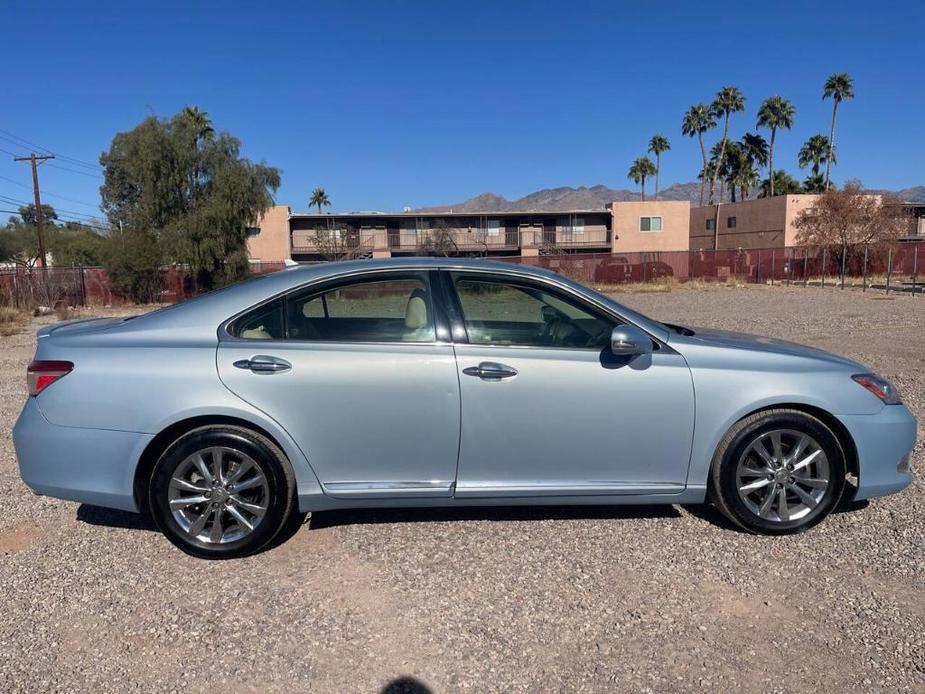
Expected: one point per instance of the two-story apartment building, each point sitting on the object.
(623, 227)
(282, 234)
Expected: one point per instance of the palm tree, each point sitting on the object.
(776, 112)
(697, 121)
(783, 183)
(814, 183)
(657, 145)
(319, 199)
(641, 169)
(841, 88)
(728, 100)
(813, 152)
(755, 149)
(200, 122)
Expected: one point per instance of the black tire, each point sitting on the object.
(271, 461)
(723, 485)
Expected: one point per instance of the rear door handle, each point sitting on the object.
(490, 371)
(264, 364)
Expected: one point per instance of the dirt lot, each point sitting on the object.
(631, 599)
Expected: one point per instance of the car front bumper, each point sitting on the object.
(93, 466)
(883, 441)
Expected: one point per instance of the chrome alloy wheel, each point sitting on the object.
(782, 475)
(218, 495)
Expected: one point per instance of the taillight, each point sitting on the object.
(42, 374)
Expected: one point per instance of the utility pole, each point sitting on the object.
(35, 158)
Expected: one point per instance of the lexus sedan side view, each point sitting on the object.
(441, 382)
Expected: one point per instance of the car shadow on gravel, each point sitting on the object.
(711, 514)
(329, 519)
(113, 518)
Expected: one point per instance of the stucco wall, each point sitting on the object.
(272, 243)
(760, 223)
(674, 235)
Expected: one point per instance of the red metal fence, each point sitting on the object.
(82, 286)
(894, 268)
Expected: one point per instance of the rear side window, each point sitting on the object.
(263, 323)
(394, 309)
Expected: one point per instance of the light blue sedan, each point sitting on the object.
(441, 382)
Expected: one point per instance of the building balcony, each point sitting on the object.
(567, 238)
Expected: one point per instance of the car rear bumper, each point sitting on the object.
(884, 442)
(93, 466)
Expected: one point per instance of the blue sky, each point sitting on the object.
(387, 104)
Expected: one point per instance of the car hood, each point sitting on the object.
(726, 339)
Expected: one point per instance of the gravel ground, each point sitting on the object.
(642, 599)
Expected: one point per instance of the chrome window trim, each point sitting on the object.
(661, 345)
(225, 336)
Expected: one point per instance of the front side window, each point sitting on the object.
(396, 309)
(650, 224)
(709, 224)
(502, 312)
(731, 222)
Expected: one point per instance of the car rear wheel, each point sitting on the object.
(221, 492)
(777, 472)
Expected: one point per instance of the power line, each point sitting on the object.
(82, 173)
(24, 142)
(58, 210)
(54, 195)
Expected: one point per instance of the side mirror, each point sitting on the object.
(629, 341)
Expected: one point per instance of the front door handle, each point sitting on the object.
(490, 371)
(264, 364)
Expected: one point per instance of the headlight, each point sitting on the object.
(880, 387)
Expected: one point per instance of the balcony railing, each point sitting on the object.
(563, 238)
(447, 240)
(452, 240)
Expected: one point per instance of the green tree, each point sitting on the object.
(319, 199)
(77, 244)
(200, 123)
(776, 112)
(783, 184)
(657, 145)
(728, 100)
(840, 87)
(698, 120)
(190, 189)
(814, 152)
(641, 169)
(19, 239)
(133, 260)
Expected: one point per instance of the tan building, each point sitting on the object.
(654, 225)
(269, 240)
(282, 234)
(760, 223)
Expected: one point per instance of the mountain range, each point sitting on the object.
(596, 197)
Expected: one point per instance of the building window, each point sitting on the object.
(578, 225)
(494, 227)
(709, 226)
(650, 224)
(730, 222)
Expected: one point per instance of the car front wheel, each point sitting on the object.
(221, 492)
(777, 472)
